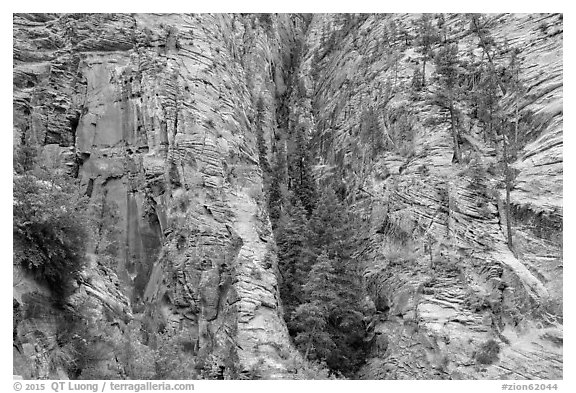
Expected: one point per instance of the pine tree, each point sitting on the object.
(277, 184)
(328, 225)
(404, 34)
(426, 38)
(261, 143)
(508, 185)
(293, 254)
(448, 76)
(494, 85)
(332, 233)
(514, 87)
(311, 317)
(301, 171)
(479, 25)
(442, 27)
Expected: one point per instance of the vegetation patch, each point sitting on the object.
(487, 353)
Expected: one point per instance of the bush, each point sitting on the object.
(266, 21)
(487, 353)
(50, 229)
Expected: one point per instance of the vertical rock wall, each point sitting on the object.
(436, 262)
(153, 113)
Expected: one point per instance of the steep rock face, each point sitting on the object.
(153, 114)
(437, 266)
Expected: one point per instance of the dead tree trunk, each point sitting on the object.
(507, 181)
(457, 153)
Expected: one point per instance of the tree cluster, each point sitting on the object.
(321, 286)
(487, 85)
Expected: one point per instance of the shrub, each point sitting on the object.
(50, 228)
(266, 21)
(181, 200)
(487, 353)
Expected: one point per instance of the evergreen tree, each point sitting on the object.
(486, 95)
(442, 27)
(311, 317)
(508, 185)
(480, 25)
(302, 178)
(328, 226)
(515, 88)
(426, 38)
(404, 35)
(293, 254)
(275, 195)
(448, 75)
(496, 83)
(332, 234)
(260, 141)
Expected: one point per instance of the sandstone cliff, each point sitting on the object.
(435, 313)
(154, 114)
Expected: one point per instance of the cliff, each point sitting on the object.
(154, 116)
(457, 286)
